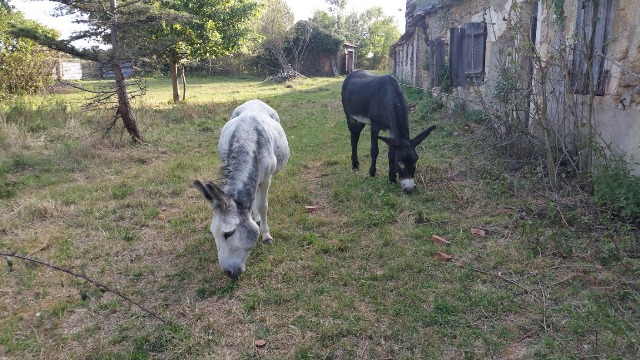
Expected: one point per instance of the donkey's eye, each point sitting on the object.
(228, 233)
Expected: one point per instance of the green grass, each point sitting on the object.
(357, 279)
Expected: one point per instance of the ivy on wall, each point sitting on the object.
(557, 6)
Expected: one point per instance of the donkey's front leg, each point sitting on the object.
(262, 205)
(392, 164)
(255, 214)
(374, 150)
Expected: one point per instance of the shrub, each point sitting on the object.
(614, 186)
(506, 86)
(25, 67)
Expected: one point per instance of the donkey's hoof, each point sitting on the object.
(268, 240)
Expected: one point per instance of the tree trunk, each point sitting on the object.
(184, 82)
(124, 106)
(174, 82)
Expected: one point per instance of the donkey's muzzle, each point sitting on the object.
(407, 185)
(233, 274)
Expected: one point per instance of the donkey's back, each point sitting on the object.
(256, 105)
(254, 130)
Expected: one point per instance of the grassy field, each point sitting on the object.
(359, 278)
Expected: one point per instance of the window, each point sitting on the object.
(593, 32)
(466, 58)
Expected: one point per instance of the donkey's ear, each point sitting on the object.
(423, 135)
(203, 190)
(223, 201)
(388, 141)
(214, 194)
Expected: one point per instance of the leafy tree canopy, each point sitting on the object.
(25, 67)
(193, 29)
(324, 20)
(372, 31)
(319, 38)
(272, 26)
(207, 28)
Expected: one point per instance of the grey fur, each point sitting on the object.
(256, 105)
(252, 148)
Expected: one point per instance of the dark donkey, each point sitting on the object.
(379, 101)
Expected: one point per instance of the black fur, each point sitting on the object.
(380, 99)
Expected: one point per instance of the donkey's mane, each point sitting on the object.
(229, 170)
(400, 110)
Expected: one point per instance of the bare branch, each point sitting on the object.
(100, 285)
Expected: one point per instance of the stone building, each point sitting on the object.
(577, 61)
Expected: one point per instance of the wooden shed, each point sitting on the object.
(321, 62)
(348, 59)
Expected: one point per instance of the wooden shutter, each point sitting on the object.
(601, 43)
(467, 51)
(432, 60)
(591, 45)
(456, 60)
(474, 51)
(437, 61)
(579, 81)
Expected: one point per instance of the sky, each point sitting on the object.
(41, 11)
(302, 9)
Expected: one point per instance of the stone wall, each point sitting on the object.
(408, 59)
(616, 114)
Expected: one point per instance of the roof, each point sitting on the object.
(417, 9)
(422, 5)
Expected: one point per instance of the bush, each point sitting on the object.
(25, 67)
(615, 187)
(505, 88)
(442, 78)
(425, 103)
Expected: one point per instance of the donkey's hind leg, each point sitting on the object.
(355, 128)
(374, 150)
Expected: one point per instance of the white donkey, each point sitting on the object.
(252, 148)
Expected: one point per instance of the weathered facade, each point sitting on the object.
(408, 55)
(585, 68)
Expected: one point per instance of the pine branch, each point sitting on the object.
(58, 45)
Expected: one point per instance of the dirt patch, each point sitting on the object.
(312, 175)
(61, 88)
